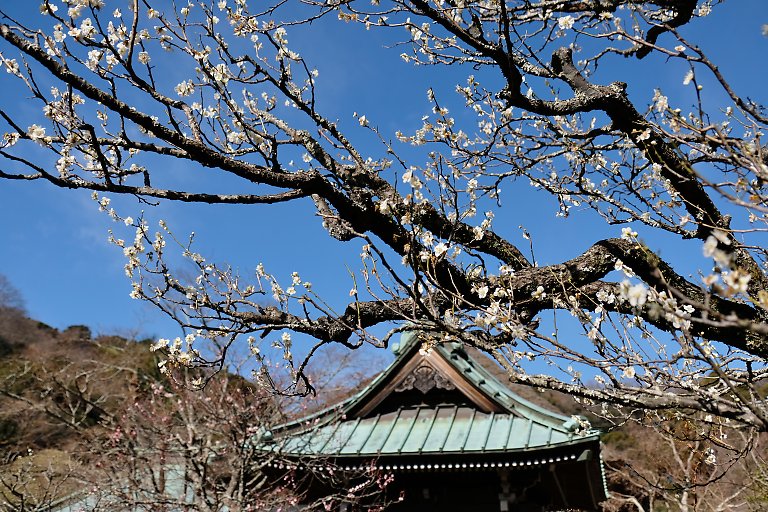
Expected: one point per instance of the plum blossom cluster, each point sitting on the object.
(178, 352)
(735, 280)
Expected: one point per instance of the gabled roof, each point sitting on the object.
(391, 416)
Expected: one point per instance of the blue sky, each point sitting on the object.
(53, 243)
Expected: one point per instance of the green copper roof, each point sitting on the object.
(427, 430)
(513, 425)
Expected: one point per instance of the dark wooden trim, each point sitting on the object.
(436, 361)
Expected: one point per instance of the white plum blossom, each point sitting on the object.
(159, 344)
(236, 137)
(280, 36)
(605, 297)
(737, 281)
(185, 88)
(58, 34)
(636, 294)
(620, 266)
(384, 206)
(36, 133)
(10, 139)
(660, 102)
(94, 56)
(644, 135)
(565, 22)
(47, 8)
(253, 346)
(721, 236)
(628, 234)
(85, 31)
(709, 246)
(221, 73)
(410, 177)
(704, 10)
(711, 249)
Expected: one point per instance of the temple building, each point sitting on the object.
(454, 438)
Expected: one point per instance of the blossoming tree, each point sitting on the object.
(425, 206)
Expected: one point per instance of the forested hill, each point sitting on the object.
(78, 410)
(59, 391)
(54, 384)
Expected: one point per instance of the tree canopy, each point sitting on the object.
(671, 315)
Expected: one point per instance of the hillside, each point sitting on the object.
(58, 392)
(54, 384)
(81, 411)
